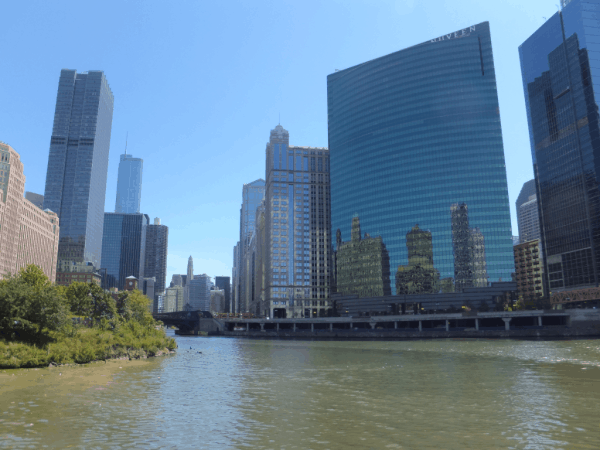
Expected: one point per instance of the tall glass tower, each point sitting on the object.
(129, 185)
(123, 248)
(78, 163)
(561, 78)
(415, 139)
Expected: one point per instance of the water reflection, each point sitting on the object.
(321, 395)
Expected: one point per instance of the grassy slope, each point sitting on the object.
(89, 344)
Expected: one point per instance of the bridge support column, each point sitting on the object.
(262, 327)
(507, 324)
(477, 324)
(373, 325)
(247, 327)
(539, 321)
(420, 325)
(447, 325)
(395, 325)
(312, 327)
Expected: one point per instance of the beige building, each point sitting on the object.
(173, 300)
(28, 235)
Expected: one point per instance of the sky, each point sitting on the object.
(198, 86)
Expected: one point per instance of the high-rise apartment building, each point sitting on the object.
(297, 264)
(123, 248)
(78, 163)
(413, 133)
(529, 270)
(28, 235)
(155, 265)
(252, 196)
(224, 283)
(561, 81)
(129, 185)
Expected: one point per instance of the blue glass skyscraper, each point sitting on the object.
(78, 163)
(560, 65)
(129, 184)
(415, 144)
(123, 248)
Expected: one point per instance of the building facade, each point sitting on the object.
(224, 283)
(413, 133)
(529, 270)
(129, 185)
(28, 235)
(82, 272)
(36, 199)
(561, 82)
(173, 299)
(155, 264)
(297, 267)
(235, 280)
(252, 196)
(199, 293)
(78, 163)
(529, 221)
(123, 248)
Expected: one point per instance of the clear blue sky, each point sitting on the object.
(199, 84)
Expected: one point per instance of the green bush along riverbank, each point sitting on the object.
(39, 323)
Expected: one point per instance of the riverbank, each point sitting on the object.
(129, 341)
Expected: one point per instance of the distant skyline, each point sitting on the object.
(199, 85)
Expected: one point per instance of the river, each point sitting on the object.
(273, 394)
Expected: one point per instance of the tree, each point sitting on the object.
(30, 306)
(133, 305)
(78, 295)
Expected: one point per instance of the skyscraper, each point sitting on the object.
(123, 248)
(129, 184)
(414, 132)
(189, 278)
(224, 283)
(561, 81)
(78, 163)
(199, 293)
(155, 265)
(252, 195)
(36, 199)
(297, 205)
(527, 213)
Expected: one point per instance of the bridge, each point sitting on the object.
(186, 321)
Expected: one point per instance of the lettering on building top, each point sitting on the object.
(457, 34)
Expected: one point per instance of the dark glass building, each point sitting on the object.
(123, 249)
(412, 136)
(157, 244)
(224, 283)
(560, 65)
(78, 163)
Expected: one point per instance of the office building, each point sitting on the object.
(123, 248)
(155, 265)
(224, 283)
(529, 221)
(297, 268)
(529, 270)
(199, 293)
(36, 199)
(129, 185)
(186, 279)
(362, 264)
(78, 163)
(173, 300)
(413, 133)
(235, 279)
(217, 301)
(148, 289)
(28, 235)
(560, 83)
(252, 195)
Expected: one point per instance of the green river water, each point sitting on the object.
(270, 394)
